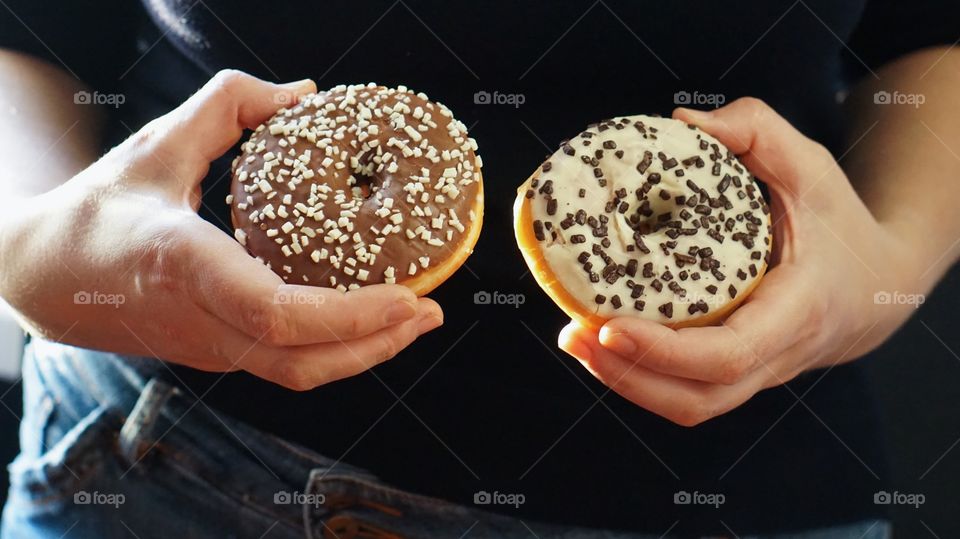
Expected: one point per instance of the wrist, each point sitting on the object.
(917, 256)
(26, 224)
(12, 227)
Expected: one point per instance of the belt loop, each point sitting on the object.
(140, 422)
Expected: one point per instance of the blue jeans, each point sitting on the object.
(109, 449)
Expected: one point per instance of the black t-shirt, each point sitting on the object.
(488, 402)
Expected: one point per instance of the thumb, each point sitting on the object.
(771, 148)
(182, 143)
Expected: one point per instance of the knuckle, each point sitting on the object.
(756, 105)
(736, 366)
(146, 135)
(140, 143)
(660, 358)
(217, 353)
(170, 332)
(270, 324)
(694, 411)
(762, 119)
(289, 374)
(818, 310)
(353, 327)
(224, 86)
(387, 348)
(822, 154)
(739, 357)
(159, 260)
(820, 149)
(228, 79)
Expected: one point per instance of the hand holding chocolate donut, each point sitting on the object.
(182, 289)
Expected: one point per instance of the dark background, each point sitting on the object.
(917, 377)
(915, 374)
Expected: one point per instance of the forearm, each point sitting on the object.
(45, 137)
(905, 160)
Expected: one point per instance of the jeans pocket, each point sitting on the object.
(44, 480)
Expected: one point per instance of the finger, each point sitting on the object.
(766, 143)
(304, 368)
(205, 342)
(184, 141)
(770, 322)
(240, 290)
(685, 402)
(202, 341)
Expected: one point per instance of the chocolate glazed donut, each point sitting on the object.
(359, 185)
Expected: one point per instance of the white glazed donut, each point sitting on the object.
(644, 216)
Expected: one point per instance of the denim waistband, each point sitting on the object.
(160, 427)
(158, 421)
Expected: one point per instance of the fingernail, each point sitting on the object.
(428, 322)
(400, 311)
(619, 343)
(304, 85)
(695, 114)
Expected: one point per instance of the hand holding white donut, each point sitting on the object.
(126, 227)
(814, 308)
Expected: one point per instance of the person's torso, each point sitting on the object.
(488, 402)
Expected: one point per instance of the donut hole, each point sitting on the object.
(364, 185)
(660, 212)
(641, 224)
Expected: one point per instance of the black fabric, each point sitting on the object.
(488, 401)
